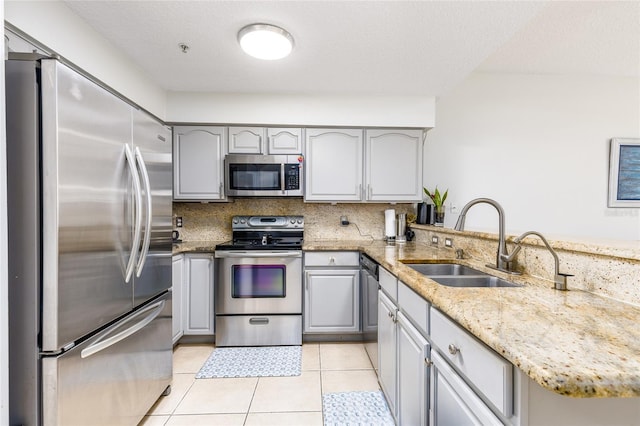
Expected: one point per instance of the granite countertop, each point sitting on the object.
(573, 343)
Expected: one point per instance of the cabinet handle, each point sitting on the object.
(369, 192)
(428, 362)
(453, 349)
(332, 260)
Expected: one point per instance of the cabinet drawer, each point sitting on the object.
(389, 283)
(488, 372)
(415, 307)
(332, 258)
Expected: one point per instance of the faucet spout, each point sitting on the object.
(559, 279)
(503, 263)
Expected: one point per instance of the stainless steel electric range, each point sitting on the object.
(259, 282)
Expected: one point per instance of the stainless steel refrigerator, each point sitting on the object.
(89, 206)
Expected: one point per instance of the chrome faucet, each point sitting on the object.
(502, 264)
(559, 279)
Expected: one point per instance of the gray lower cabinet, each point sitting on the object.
(387, 350)
(413, 374)
(331, 292)
(453, 402)
(198, 160)
(177, 274)
(198, 313)
(332, 300)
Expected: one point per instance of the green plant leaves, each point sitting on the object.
(437, 198)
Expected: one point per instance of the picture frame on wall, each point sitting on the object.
(624, 173)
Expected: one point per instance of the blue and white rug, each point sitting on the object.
(265, 361)
(356, 408)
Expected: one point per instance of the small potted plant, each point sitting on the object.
(438, 202)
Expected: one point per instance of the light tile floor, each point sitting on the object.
(282, 401)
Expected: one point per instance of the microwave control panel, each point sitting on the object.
(291, 176)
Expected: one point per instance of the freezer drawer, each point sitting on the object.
(114, 377)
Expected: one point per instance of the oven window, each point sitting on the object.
(255, 177)
(258, 281)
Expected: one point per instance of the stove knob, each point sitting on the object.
(242, 221)
(235, 221)
(300, 221)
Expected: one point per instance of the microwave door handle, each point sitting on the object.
(284, 178)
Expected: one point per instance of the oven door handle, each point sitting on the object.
(259, 253)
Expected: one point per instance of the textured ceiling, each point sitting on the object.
(366, 47)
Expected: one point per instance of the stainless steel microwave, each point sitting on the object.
(264, 175)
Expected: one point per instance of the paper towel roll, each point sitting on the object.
(390, 223)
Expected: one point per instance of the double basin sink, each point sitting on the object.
(455, 275)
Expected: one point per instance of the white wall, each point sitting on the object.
(539, 145)
(334, 110)
(54, 25)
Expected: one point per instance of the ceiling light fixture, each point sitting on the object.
(264, 41)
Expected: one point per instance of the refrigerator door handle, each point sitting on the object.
(103, 343)
(138, 216)
(147, 234)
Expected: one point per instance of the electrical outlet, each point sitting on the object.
(434, 240)
(448, 242)
(178, 221)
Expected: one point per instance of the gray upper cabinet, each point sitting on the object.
(393, 165)
(284, 141)
(246, 140)
(198, 154)
(333, 165)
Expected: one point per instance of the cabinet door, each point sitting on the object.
(198, 155)
(387, 349)
(333, 165)
(393, 165)
(332, 301)
(177, 274)
(413, 374)
(246, 140)
(452, 401)
(198, 307)
(284, 141)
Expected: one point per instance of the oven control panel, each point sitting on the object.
(267, 222)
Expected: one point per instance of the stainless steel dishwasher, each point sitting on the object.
(370, 286)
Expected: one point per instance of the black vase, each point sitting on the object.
(424, 215)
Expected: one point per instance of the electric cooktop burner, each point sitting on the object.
(265, 233)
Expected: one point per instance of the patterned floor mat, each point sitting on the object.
(266, 361)
(356, 408)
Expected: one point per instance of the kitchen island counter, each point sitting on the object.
(573, 343)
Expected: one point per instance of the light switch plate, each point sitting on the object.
(448, 242)
(434, 240)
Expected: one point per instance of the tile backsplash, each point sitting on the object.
(212, 221)
(604, 269)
